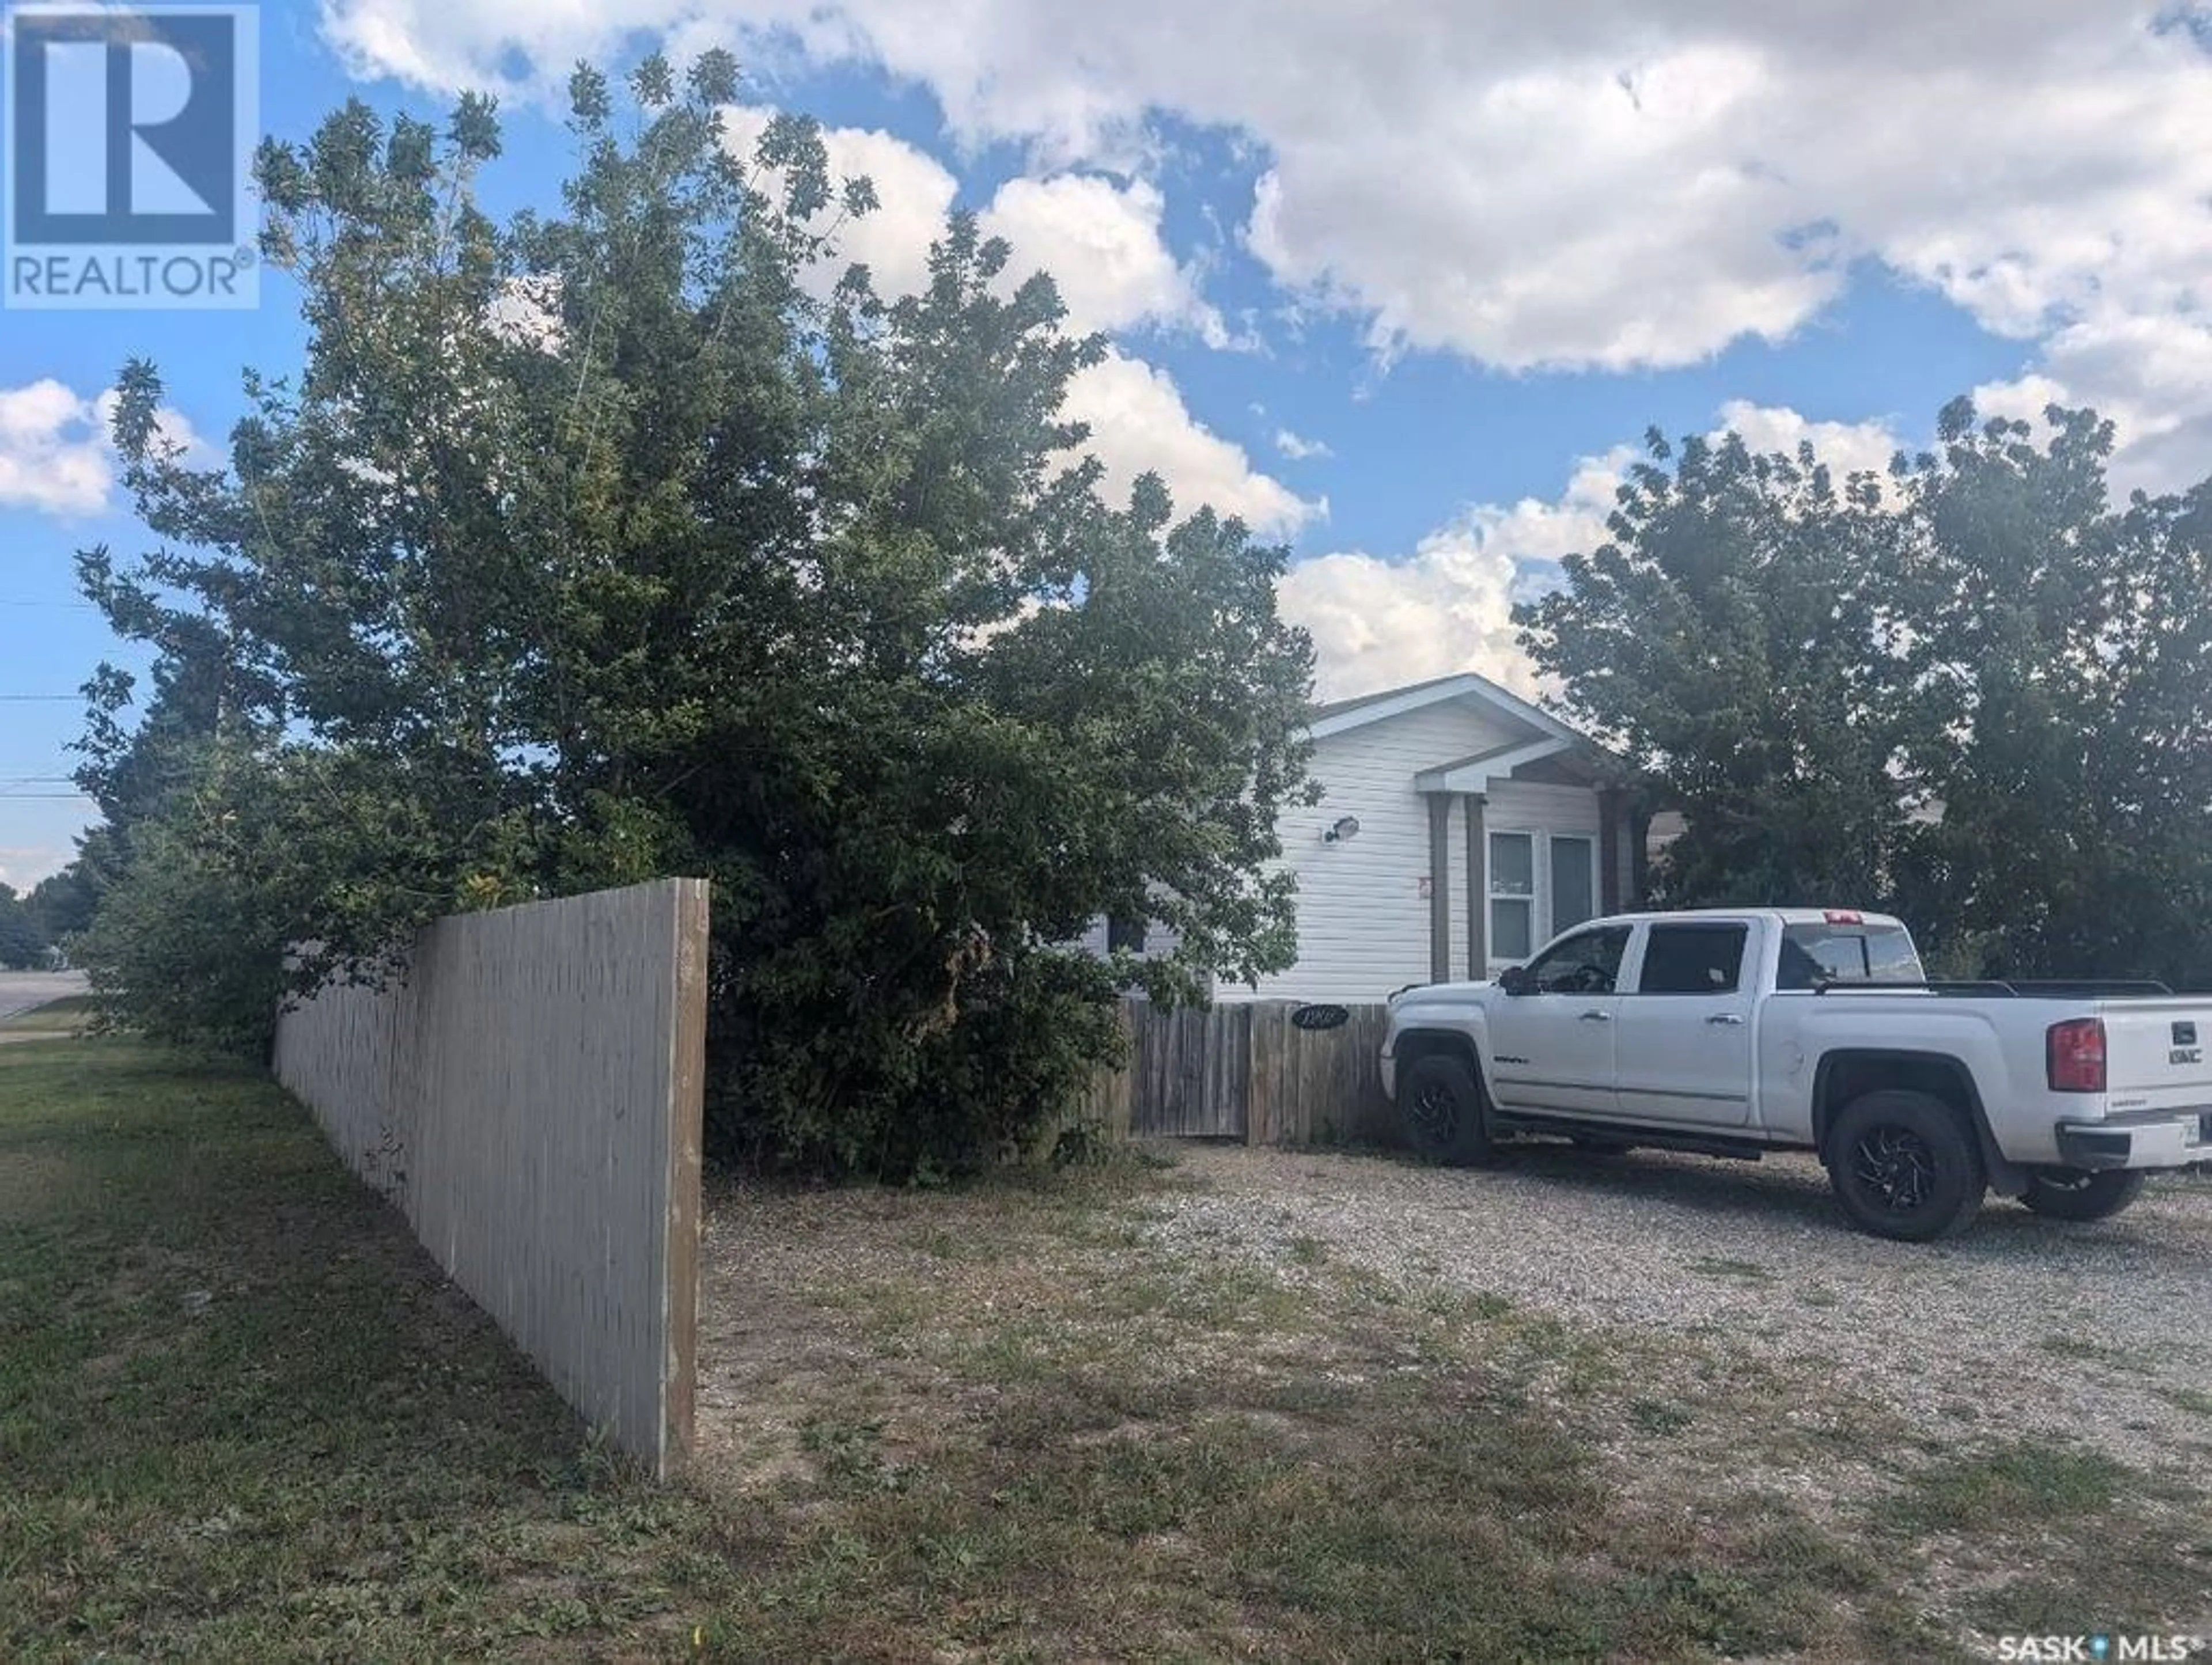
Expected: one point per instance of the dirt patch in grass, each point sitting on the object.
(1008, 1424)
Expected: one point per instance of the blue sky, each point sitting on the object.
(1400, 286)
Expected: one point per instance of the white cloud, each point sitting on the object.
(1552, 216)
(1300, 450)
(1847, 447)
(1599, 185)
(54, 455)
(169, 425)
(915, 190)
(1140, 424)
(2151, 375)
(1103, 244)
(57, 449)
(1449, 606)
(1101, 240)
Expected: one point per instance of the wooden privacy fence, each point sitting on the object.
(1244, 1071)
(530, 1095)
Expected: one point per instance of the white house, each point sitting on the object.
(1460, 828)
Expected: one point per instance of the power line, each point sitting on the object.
(40, 699)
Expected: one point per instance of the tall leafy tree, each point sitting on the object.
(593, 546)
(61, 904)
(22, 944)
(1973, 691)
(2059, 653)
(1737, 639)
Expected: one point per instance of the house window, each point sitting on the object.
(1574, 882)
(1512, 895)
(1125, 936)
(1541, 884)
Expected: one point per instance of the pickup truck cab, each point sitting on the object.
(1734, 1032)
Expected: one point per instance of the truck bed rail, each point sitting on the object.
(2022, 988)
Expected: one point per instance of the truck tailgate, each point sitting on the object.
(2156, 1053)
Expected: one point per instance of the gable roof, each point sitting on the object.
(1475, 773)
(1336, 708)
(1347, 714)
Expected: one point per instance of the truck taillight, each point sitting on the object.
(2074, 1055)
(1844, 916)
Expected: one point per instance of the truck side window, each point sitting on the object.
(1693, 959)
(1588, 962)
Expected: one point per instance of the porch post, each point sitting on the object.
(1608, 851)
(1477, 839)
(1439, 887)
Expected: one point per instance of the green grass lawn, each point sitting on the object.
(242, 1418)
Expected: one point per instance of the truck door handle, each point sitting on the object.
(1597, 1017)
(1733, 1019)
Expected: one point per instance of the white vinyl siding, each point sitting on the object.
(1362, 921)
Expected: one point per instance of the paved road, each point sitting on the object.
(21, 990)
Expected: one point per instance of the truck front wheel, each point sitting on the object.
(2076, 1193)
(1905, 1165)
(1445, 1115)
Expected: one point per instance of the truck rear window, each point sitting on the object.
(1815, 954)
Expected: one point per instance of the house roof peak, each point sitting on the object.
(1342, 714)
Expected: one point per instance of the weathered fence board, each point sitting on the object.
(1192, 1068)
(531, 1096)
(1242, 1071)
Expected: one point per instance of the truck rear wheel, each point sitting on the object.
(1446, 1119)
(2077, 1194)
(1905, 1165)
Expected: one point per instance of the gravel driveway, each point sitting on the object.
(2020, 1326)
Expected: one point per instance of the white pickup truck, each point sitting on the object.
(1741, 1031)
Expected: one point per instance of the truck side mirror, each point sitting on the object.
(1515, 979)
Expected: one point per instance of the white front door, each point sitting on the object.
(1683, 1051)
(1551, 1049)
